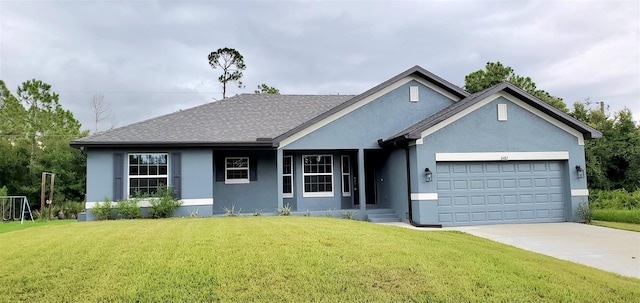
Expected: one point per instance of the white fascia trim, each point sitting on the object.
(287, 196)
(511, 98)
(579, 192)
(145, 203)
(416, 142)
(503, 156)
(424, 196)
(361, 103)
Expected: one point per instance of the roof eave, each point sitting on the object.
(398, 139)
(130, 144)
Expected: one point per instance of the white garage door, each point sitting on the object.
(500, 192)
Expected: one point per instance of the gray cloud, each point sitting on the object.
(149, 58)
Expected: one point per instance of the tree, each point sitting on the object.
(35, 132)
(613, 162)
(265, 89)
(232, 64)
(495, 73)
(101, 110)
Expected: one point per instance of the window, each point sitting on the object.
(236, 170)
(147, 172)
(346, 176)
(287, 177)
(317, 175)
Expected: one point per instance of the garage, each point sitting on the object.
(472, 193)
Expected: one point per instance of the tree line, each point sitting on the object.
(35, 132)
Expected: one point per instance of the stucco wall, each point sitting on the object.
(480, 131)
(379, 119)
(260, 194)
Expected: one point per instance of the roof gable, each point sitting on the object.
(415, 131)
(415, 73)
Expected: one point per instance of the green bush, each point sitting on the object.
(103, 211)
(617, 215)
(4, 191)
(614, 199)
(73, 208)
(162, 204)
(129, 209)
(285, 210)
(584, 213)
(231, 212)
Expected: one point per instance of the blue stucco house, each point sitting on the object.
(415, 148)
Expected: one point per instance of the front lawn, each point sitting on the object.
(284, 259)
(6, 227)
(618, 225)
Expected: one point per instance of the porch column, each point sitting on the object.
(361, 188)
(279, 161)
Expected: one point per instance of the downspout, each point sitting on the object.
(406, 148)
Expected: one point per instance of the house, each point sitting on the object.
(414, 148)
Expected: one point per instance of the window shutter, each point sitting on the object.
(176, 175)
(118, 176)
(253, 168)
(219, 167)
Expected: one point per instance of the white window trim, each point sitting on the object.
(129, 176)
(317, 194)
(290, 175)
(237, 181)
(343, 174)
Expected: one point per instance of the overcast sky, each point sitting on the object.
(150, 57)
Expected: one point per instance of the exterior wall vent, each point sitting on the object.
(414, 95)
(502, 112)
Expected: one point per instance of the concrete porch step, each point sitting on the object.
(382, 216)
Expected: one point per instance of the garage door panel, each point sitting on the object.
(443, 185)
(495, 192)
(444, 201)
(478, 200)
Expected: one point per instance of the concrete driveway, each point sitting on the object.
(609, 249)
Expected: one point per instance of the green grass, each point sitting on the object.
(6, 227)
(284, 259)
(618, 225)
(617, 215)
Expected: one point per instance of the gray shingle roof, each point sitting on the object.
(240, 119)
(413, 132)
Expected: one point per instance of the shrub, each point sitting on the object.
(162, 204)
(285, 210)
(617, 215)
(348, 214)
(129, 209)
(4, 191)
(614, 199)
(257, 213)
(73, 208)
(193, 213)
(103, 211)
(231, 212)
(583, 212)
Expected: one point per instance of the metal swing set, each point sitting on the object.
(15, 208)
